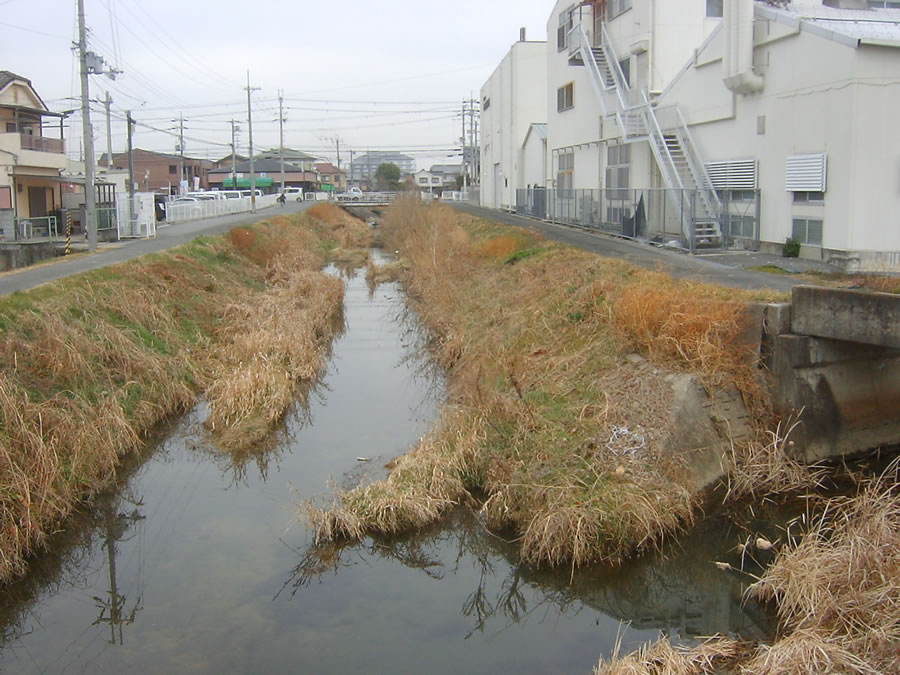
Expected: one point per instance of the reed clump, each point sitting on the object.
(92, 364)
(836, 589)
(571, 445)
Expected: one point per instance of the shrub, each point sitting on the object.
(791, 248)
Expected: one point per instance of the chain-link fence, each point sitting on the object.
(656, 214)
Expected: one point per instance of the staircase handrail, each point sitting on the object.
(698, 168)
(579, 41)
(620, 84)
(677, 126)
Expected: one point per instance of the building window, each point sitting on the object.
(714, 8)
(809, 197)
(486, 103)
(10, 127)
(807, 231)
(565, 168)
(618, 161)
(565, 97)
(173, 169)
(741, 226)
(616, 7)
(883, 4)
(741, 195)
(566, 23)
(436, 180)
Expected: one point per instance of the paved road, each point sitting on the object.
(167, 237)
(678, 264)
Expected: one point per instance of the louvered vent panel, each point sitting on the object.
(804, 173)
(737, 174)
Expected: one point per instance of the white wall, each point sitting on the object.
(534, 161)
(517, 100)
(820, 95)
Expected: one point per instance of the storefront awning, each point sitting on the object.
(260, 182)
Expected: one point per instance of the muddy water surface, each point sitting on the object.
(199, 563)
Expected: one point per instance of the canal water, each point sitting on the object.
(199, 562)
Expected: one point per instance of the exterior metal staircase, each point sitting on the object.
(665, 130)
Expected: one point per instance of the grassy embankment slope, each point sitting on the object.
(554, 431)
(92, 363)
(563, 437)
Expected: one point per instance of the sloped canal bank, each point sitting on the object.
(199, 563)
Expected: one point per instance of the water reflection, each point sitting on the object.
(679, 591)
(115, 609)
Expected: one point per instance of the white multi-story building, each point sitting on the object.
(512, 100)
(718, 123)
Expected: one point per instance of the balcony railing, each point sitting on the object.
(42, 144)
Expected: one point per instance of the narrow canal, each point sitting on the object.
(199, 562)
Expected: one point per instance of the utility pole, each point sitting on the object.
(109, 162)
(234, 129)
(89, 196)
(280, 136)
(180, 151)
(350, 181)
(465, 171)
(250, 90)
(130, 123)
(337, 143)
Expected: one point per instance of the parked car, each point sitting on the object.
(294, 193)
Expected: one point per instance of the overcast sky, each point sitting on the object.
(376, 75)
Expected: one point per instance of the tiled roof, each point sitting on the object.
(6, 77)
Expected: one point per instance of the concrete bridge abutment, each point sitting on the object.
(834, 356)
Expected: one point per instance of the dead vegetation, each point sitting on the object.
(92, 364)
(561, 435)
(836, 588)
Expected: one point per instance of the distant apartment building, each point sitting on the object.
(364, 166)
(707, 123)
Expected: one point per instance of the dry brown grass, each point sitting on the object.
(715, 655)
(768, 468)
(276, 341)
(883, 284)
(328, 213)
(89, 366)
(533, 336)
(836, 588)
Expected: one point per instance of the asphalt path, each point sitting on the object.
(167, 236)
(678, 264)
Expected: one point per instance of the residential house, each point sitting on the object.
(364, 166)
(427, 181)
(267, 176)
(228, 160)
(450, 174)
(716, 123)
(439, 177)
(159, 171)
(32, 155)
(295, 157)
(331, 178)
